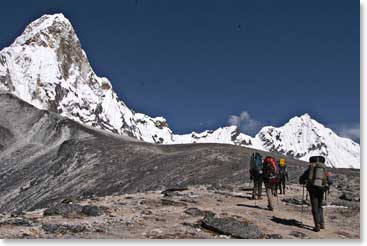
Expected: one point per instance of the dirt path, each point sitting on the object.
(152, 215)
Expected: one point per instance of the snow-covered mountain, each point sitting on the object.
(303, 137)
(47, 68)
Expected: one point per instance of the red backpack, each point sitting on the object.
(271, 170)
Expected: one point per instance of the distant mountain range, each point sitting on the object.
(46, 67)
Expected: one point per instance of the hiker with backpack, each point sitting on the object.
(283, 175)
(256, 167)
(317, 182)
(270, 176)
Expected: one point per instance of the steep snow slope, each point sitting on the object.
(47, 68)
(303, 137)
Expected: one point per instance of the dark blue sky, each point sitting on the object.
(198, 62)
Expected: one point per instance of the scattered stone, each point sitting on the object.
(64, 228)
(295, 201)
(298, 234)
(17, 213)
(174, 191)
(273, 236)
(346, 196)
(68, 200)
(178, 188)
(193, 225)
(73, 209)
(188, 200)
(194, 212)
(17, 222)
(90, 210)
(63, 210)
(167, 202)
(101, 230)
(356, 199)
(231, 227)
(219, 187)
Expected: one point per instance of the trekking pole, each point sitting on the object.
(303, 194)
(325, 204)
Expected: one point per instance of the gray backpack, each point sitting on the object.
(317, 175)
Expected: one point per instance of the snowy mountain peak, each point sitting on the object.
(303, 137)
(303, 119)
(45, 30)
(47, 68)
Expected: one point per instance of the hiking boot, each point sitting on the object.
(270, 208)
(259, 198)
(322, 226)
(316, 228)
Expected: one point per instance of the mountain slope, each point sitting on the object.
(46, 158)
(46, 67)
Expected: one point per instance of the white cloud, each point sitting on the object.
(350, 131)
(245, 123)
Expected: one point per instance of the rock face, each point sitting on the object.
(47, 68)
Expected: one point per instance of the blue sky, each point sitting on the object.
(198, 63)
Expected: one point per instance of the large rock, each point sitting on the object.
(63, 209)
(73, 209)
(232, 227)
(64, 228)
(346, 196)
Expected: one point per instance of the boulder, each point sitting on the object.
(273, 236)
(92, 210)
(231, 227)
(346, 196)
(63, 228)
(63, 209)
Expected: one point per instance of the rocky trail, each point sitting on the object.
(194, 212)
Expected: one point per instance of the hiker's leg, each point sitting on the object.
(321, 212)
(254, 188)
(283, 184)
(260, 187)
(269, 196)
(314, 205)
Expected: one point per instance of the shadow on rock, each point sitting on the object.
(250, 206)
(290, 222)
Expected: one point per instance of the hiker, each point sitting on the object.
(274, 188)
(270, 176)
(256, 167)
(317, 182)
(283, 175)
